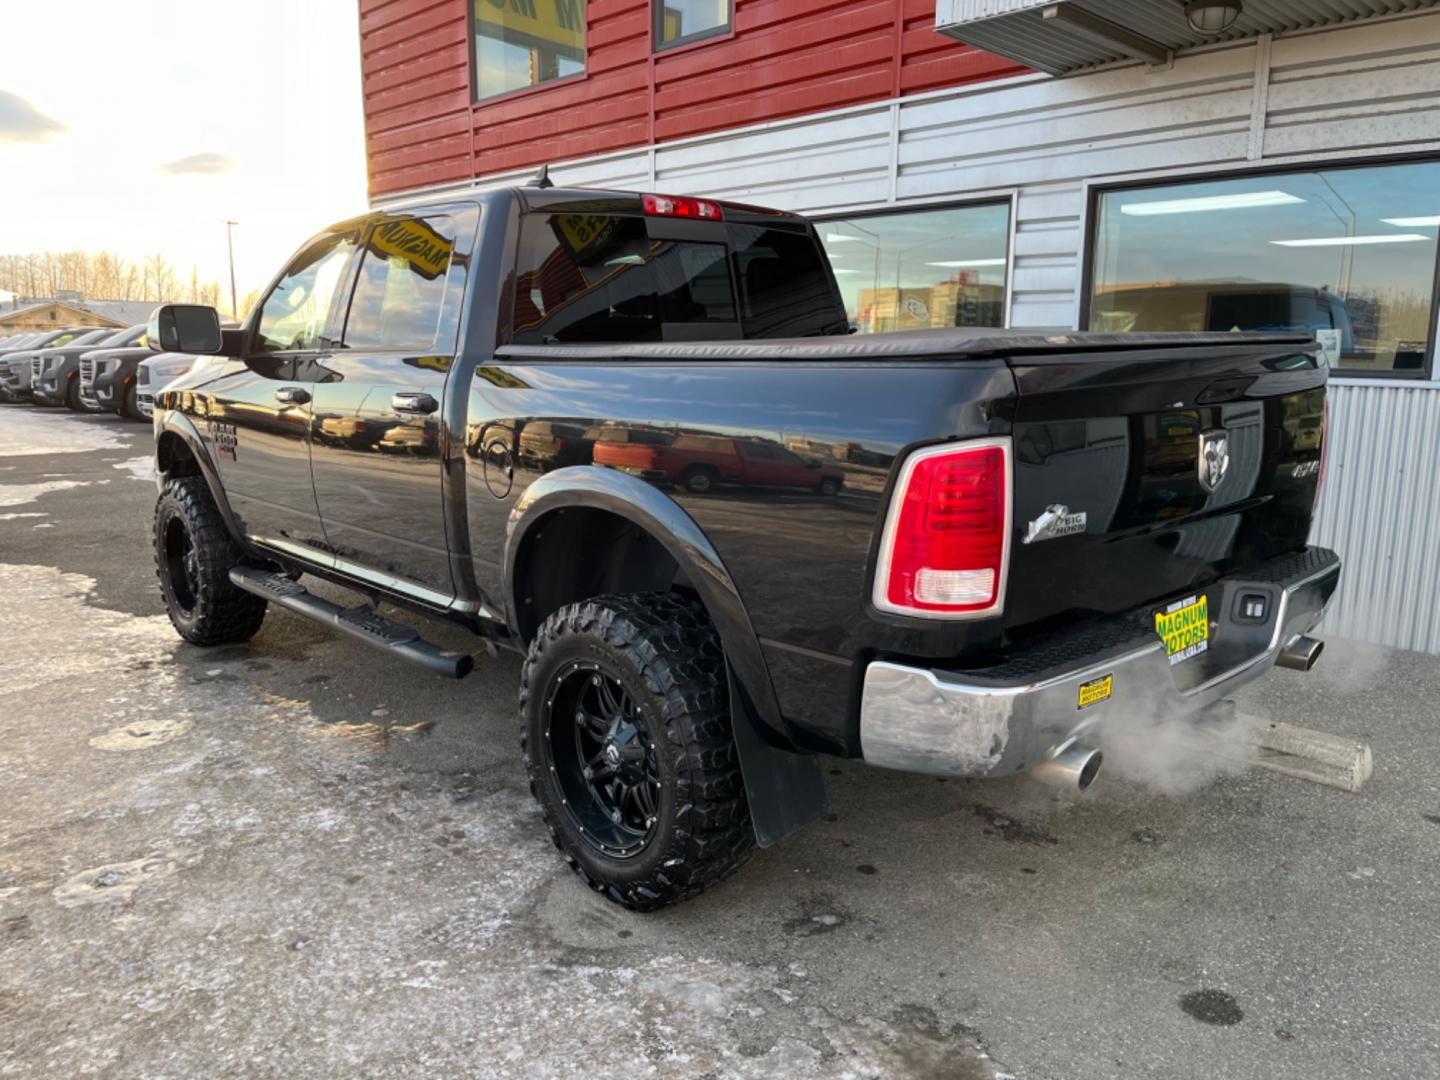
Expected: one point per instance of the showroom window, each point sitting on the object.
(522, 43)
(921, 268)
(1347, 253)
(679, 22)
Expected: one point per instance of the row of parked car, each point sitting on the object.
(87, 370)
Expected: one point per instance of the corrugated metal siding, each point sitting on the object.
(1016, 28)
(1379, 511)
(785, 58)
(1164, 20)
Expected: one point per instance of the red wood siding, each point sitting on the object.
(784, 58)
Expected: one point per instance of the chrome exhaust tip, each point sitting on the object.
(1301, 653)
(1075, 767)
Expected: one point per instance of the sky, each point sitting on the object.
(141, 126)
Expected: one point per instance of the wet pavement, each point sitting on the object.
(296, 858)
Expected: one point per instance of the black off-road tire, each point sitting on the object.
(667, 656)
(72, 396)
(204, 607)
(828, 487)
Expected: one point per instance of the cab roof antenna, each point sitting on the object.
(542, 178)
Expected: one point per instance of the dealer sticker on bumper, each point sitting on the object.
(1095, 691)
(1184, 626)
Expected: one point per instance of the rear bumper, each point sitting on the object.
(1006, 719)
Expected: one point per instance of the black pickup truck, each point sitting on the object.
(1035, 532)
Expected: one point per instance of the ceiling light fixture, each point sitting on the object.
(1212, 16)
(968, 262)
(1348, 241)
(1413, 222)
(1244, 200)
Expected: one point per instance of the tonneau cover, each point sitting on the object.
(948, 342)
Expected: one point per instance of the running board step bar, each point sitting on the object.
(362, 624)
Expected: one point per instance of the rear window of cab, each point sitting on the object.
(609, 279)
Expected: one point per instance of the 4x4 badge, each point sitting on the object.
(1057, 520)
(1214, 460)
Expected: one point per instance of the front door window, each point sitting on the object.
(300, 307)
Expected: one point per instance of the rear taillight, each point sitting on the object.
(946, 545)
(681, 206)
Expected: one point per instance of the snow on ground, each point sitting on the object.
(20, 494)
(140, 468)
(39, 431)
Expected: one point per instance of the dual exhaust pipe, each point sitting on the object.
(1075, 766)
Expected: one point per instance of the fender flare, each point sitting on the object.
(785, 787)
(182, 427)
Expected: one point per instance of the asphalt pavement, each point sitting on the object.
(297, 858)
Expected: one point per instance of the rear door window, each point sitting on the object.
(399, 299)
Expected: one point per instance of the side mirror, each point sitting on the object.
(184, 328)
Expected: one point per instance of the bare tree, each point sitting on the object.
(247, 303)
(104, 275)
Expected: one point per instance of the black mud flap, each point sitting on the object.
(786, 790)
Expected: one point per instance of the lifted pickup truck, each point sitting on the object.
(1035, 532)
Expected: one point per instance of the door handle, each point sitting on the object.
(292, 395)
(414, 403)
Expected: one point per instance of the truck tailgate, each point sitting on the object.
(1143, 475)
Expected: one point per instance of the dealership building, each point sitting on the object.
(1096, 164)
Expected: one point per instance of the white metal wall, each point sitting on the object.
(1343, 94)
(1381, 510)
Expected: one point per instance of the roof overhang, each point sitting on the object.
(1061, 36)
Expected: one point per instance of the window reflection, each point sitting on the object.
(919, 269)
(600, 278)
(520, 43)
(401, 287)
(297, 312)
(679, 21)
(1346, 253)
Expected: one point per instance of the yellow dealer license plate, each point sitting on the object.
(1184, 626)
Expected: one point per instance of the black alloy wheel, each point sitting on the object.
(603, 757)
(181, 566)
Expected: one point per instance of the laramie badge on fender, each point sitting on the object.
(1057, 520)
(1214, 461)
